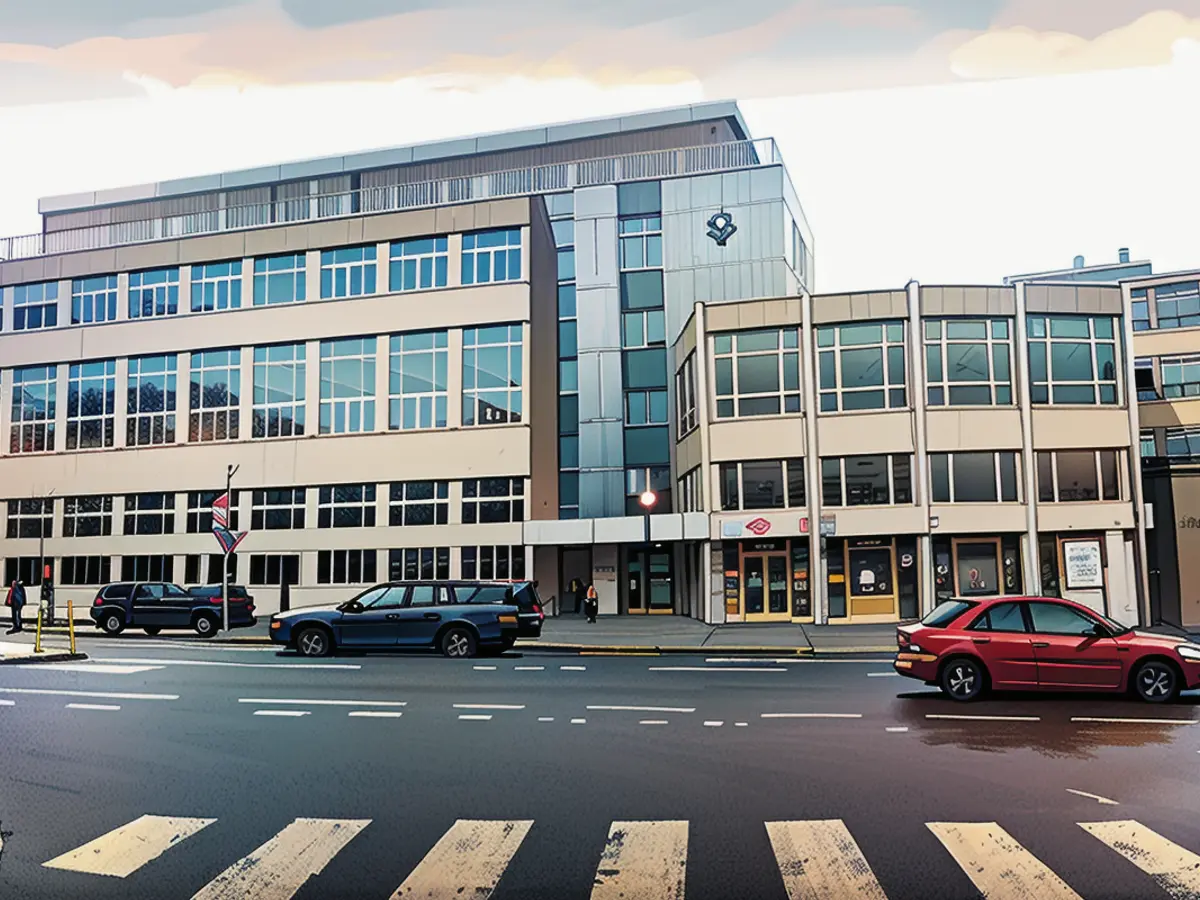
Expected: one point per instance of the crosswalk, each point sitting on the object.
(641, 860)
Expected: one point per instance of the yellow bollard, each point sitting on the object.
(71, 625)
(37, 641)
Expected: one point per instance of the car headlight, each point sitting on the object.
(1190, 651)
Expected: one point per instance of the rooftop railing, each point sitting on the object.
(545, 179)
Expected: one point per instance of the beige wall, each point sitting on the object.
(1084, 429)
(542, 384)
(829, 309)
(1169, 342)
(968, 301)
(1186, 496)
(777, 437)
(958, 429)
(753, 314)
(1168, 414)
(849, 434)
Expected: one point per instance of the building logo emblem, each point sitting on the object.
(759, 526)
(721, 227)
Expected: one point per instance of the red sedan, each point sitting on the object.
(966, 647)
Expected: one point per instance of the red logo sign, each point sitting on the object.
(758, 526)
(804, 525)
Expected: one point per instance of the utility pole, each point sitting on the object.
(230, 471)
(46, 592)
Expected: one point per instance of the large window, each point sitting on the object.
(488, 500)
(1139, 309)
(33, 409)
(763, 484)
(643, 328)
(419, 564)
(646, 408)
(199, 511)
(87, 516)
(91, 405)
(862, 366)
(280, 279)
(148, 568)
(493, 563)
(419, 503)
(153, 294)
(974, 477)
(94, 299)
(279, 390)
(491, 375)
(968, 362)
(193, 563)
(274, 569)
(641, 243)
(417, 380)
(757, 372)
(638, 480)
(685, 395)
(1178, 305)
(644, 368)
(30, 518)
(1180, 377)
(151, 403)
(1072, 360)
(866, 480)
(346, 506)
(1076, 476)
(489, 256)
(277, 509)
(348, 385)
(214, 395)
(85, 571)
(217, 286)
(35, 306)
(346, 567)
(1180, 442)
(419, 265)
(149, 513)
(348, 272)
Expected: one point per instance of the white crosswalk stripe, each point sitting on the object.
(643, 861)
(124, 850)
(1176, 870)
(279, 868)
(820, 859)
(468, 861)
(999, 867)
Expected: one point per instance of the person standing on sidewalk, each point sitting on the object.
(591, 605)
(580, 591)
(16, 602)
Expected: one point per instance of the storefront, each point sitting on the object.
(872, 579)
(767, 580)
(977, 565)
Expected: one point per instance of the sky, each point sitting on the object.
(952, 141)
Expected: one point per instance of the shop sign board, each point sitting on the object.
(1083, 565)
(828, 526)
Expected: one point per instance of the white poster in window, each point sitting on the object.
(1082, 565)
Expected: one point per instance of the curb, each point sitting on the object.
(36, 659)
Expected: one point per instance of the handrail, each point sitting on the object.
(548, 178)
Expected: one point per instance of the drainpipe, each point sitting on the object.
(818, 586)
(920, 463)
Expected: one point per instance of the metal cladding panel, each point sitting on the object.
(600, 394)
(602, 494)
(600, 445)
(599, 316)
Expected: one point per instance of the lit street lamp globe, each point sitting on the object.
(648, 499)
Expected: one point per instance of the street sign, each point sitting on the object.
(220, 511)
(828, 526)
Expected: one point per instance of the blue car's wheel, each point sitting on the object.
(314, 642)
(458, 643)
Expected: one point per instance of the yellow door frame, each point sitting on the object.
(868, 618)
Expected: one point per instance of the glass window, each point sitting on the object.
(503, 563)
(946, 612)
(1073, 360)
(975, 477)
(639, 198)
(86, 571)
(564, 232)
(762, 485)
(1005, 617)
(418, 265)
(645, 328)
(1183, 442)
(217, 286)
(417, 381)
(642, 290)
(866, 480)
(150, 406)
(968, 362)
(1148, 447)
(35, 306)
(1079, 476)
(646, 408)
(348, 272)
(199, 518)
(30, 518)
(346, 567)
(685, 395)
(647, 446)
(560, 204)
(215, 396)
(757, 373)
(280, 279)
(1178, 304)
(33, 409)
(861, 366)
(87, 516)
(415, 563)
(1180, 377)
(348, 385)
(1109, 484)
(491, 256)
(274, 569)
(1057, 618)
(346, 506)
(149, 513)
(645, 368)
(277, 509)
(94, 299)
(419, 503)
(91, 405)
(641, 243)
(279, 390)
(492, 375)
(154, 293)
(148, 568)
(1076, 475)
(491, 500)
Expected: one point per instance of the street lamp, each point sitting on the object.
(47, 601)
(647, 500)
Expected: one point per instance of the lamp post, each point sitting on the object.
(230, 471)
(47, 594)
(647, 500)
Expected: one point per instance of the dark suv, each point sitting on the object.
(155, 605)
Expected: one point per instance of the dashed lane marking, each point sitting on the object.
(90, 668)
(811, 715)
(468, 717)
(713, 724)
(98, 707)
(883, 674)
(897, 729)
(484, 668)
(124, 850)
(716, 669)
(374, 714)
(659, 709)
(546, 718)
(336, 667)
(572, 668)
(1103, 801)
(653, 722)
(529, 668)
(579, 721)
(283, 713)
(954, 718)
(1132, 721)
(99, 695)
(283, 701)
(489, 706)
(740, 724)
(467, 861)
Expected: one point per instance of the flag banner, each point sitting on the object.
(220, 512)
(228, 540)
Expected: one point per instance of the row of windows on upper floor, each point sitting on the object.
(414, 265)
(417, 393)
(1166, 306)
(408, 503)
(967, 362)
(1179, 443)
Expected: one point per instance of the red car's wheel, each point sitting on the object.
(963, 679)
(1156, 681)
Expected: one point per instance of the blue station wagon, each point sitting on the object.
(459, 618)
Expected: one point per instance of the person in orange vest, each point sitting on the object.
(592, 604)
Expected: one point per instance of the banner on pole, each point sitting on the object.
(220, 512)
(228, 540)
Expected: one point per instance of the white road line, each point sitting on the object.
(343, 667)
(572, 668)
(662, 709)
(799, 661)
(897, 729)
(124, 850)
(643, 860)
(100, 695)
(811, 715)
(484, 668)
(137, 644)
(546, 718)
(740, 724)
(374, 714)
(820, 859)
(488, 706)
(280, 701)
(99, 707)
(91, 668)
(1176, 870)
(474, 718)
(7, 703)
(1133, 721)
(983, 718)
(713, 724)
(883, 674)
(654, 722)
(529, 668)
(467, 861)
(716, 669)
(279, 868)
(579, 721)
(998, 866)
(1103, 801)
(283, 713)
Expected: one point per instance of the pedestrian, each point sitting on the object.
(578, 587)
(15, 601)
(591, 604)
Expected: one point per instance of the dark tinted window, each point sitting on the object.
(118, 591)
(945, 612)
(483, 594)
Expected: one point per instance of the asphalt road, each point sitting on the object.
(568, 777)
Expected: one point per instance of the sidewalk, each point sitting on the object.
(19, 649)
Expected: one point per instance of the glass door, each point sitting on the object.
(650, 583)
(871, 570)
(765, 591)
(637, 593)
(977, 567)
(659, 572)
(753, 589)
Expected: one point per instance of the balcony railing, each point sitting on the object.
(545, 179)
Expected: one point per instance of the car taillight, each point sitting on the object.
(99, 599)
(901, 638)
(216, 600)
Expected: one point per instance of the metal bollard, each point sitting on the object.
(37, 640)
(71, 625)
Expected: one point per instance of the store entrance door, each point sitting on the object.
(766, 594)
(650, 583)
(871, 572)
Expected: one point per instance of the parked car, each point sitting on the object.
(966, 647)
(459, 618)
(155, 605)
